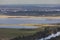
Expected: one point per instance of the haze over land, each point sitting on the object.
(9, 2)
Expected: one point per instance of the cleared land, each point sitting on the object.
(11, 33)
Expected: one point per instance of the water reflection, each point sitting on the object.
(27, 20)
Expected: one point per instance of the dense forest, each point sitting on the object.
(30, 10)
(33, 13)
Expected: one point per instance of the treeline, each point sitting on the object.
(32, 13)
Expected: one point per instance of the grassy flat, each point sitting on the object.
(9, 33)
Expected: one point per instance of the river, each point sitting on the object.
(26, 21)
(51, 36)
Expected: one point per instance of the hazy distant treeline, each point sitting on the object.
(32, 13)
(30, 10)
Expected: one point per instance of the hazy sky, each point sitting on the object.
(29, 2)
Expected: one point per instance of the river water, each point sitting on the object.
(51, 36)
(26, 21)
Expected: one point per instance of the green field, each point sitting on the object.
(10, 33)
(7, 33)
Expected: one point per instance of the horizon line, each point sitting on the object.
(29, 4)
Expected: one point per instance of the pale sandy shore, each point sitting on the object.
(48, 17)
(36, 25)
